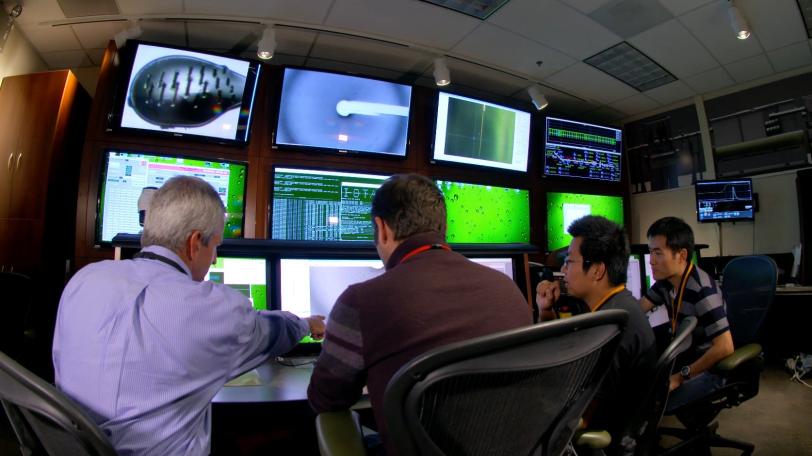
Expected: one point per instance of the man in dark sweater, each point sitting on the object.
(595, 272)
(429, 296)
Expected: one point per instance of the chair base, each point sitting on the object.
(700, 441)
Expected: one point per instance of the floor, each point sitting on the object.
(778, 421)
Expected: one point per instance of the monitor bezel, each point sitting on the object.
(544, 174)
(277, 113)
(433, 160)
(127, 59)
(105, 160)
(730, 219)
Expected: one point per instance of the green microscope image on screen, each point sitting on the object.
(484, 214)
(479, 131)
(565, 208)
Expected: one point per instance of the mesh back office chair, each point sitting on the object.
(748, 287)
(45, 420)
(16, 292)
(518, 392)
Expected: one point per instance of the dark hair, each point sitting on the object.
(603, 241)
(410, 204)
(678, 234)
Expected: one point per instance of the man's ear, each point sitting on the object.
(382, 229)
(683, 255)
(192, 245)
(599, 271)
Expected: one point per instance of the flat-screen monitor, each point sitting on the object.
(311, 286)
(343, 113)
(125, 174)
(649, 276)
(486, 214)
(724, 200)
(249, 276)
(565, 208)
(314, 205)
(476, 132)
(634, 276)
(582, 150)
(178, 92)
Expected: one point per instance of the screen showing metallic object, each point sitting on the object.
(125, 174)
(311, 286)
(634, 276)
(246, 275)
(565, 208)
(182, 92)
(479, 133)
(311, 205)
(343, 113)
(724, 200)
(582, 150)
(486, 214)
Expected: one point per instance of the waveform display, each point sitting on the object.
(727, 200)
(587, 164)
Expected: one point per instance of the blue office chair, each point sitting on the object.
(748, 286)
(517, 392)
(46, 421)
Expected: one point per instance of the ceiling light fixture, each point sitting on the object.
(738, 22)
(538, 98)
(132, 32)
(267, 44)
(442, 76)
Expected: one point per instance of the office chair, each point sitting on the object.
(517, 392)
(17, 291)
(748, 287)
(44, 419)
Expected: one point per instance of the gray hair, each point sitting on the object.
(182, 205)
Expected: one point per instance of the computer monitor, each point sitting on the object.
(486, 214)
(582, 150)
(326, 111)
(565, 208)
(315, 205)
(649, 277)
(125, 174)
(476, 132)
(634, 276)
(724, 200)
(249, 276)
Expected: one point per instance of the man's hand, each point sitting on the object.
(547, 293)
(316, 323)
(675, 382)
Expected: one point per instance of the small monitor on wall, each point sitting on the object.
(179, 92)
(249, 276)
(582, 150)
(486, 214)
(126, 174)
(316, 205)
(343, 113)
(725, 200)
(565, 208)
(476, 132)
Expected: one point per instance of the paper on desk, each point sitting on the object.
(250, 378)
(657, 316)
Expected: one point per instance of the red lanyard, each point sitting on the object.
(422, 249)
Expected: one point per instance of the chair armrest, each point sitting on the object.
(738, 357)
(595, 440)
(339, 434)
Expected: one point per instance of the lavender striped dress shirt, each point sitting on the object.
(144, 348)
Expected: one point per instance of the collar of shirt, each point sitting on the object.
(164, 252)
(412, 243)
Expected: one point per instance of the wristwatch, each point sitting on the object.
(685, 372)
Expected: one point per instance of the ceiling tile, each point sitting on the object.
(370, 52)
(96, 55)
(36, 11)
(166, 32)
(711, 25)
(412, 21)
(476, 76)
(488, 43)
(585, 81)
(555, 25)
(604, 115)
(98, 34)
(675, 49)
(710, 81)
(679, 7)
(294, 41)
(586, 6)
(750, 68)
(792, 56)
(46, 38)
(671, 93)
(136, 7)
(776, 23)
(310, 11)
(223, 35)
(66, 59)
(628, 18)
(635, 104)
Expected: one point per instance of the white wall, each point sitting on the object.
(776, 228)
(19, 57)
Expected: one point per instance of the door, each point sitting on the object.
(12, 111)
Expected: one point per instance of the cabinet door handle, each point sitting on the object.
(10, 157)
(19, 157)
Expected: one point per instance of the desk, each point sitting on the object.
(278, 384)
(786, 329)
(799, 290)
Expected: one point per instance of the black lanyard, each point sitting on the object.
(161, 258)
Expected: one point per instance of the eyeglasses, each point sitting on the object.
(568, 262)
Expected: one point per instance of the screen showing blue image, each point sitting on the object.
(343, 113)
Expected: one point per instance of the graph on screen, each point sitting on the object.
(724, 200)
(582, 150)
